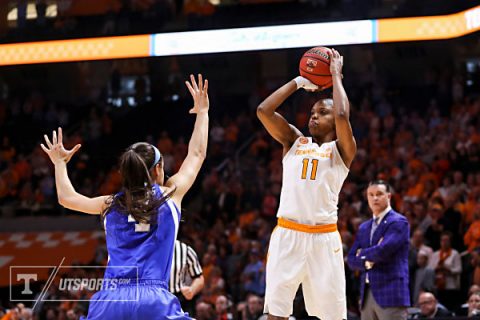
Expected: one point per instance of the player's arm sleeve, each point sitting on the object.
(194, 267)
(396, 235)
(353, 259)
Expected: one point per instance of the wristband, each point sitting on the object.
(299, 81)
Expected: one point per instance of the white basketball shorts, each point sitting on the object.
(313, 257)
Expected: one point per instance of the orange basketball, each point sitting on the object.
(315, 66)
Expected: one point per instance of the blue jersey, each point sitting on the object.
(142, 251)
(139, 263)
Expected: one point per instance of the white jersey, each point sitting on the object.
(312, 178)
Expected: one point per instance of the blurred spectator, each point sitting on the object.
(472, 236)
(424, 220)
(252, 309)
(222, 308)
(417, 245)
(24, 313)
(474, 305)
(437, 227)
(204, 311)
(424, 279)
(453, 220)
(429, 307)
(475, 262)
(12, 314)
(253, 276)
(19, 312)
(447, 265)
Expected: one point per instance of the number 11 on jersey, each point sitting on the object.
(313, 173)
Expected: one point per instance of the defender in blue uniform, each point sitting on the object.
(141, 221)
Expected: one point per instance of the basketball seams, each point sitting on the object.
(318, 58)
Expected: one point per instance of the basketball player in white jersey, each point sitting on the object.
(306, 248)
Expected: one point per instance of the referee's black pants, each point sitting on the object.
(187, 305)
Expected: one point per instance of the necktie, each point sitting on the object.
(374, 227)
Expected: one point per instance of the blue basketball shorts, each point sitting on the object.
(135, 302)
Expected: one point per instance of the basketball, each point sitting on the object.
(315, 66)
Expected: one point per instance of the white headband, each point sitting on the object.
(157, 156)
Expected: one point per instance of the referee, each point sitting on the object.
(186, 279)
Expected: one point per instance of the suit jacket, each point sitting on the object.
(389, 252)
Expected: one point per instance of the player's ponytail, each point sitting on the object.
(135, 174)
(137, 197)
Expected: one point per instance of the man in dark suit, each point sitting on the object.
(380, 252)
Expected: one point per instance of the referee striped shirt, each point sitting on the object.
(185, 267)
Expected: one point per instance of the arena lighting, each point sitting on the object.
(263, 38)
(245, 39)
(429, 28)
(75, 50)
(51, 12)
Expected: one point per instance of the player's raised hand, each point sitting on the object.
(199, 93)
(55, 149)
(336, 62)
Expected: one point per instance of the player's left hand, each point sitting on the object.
(56, 151)
(199, 93)
(336, 62)
(187, 292)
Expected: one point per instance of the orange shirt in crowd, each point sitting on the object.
(247, 218)
(468, 209)
(472, 237)
(415, 191)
